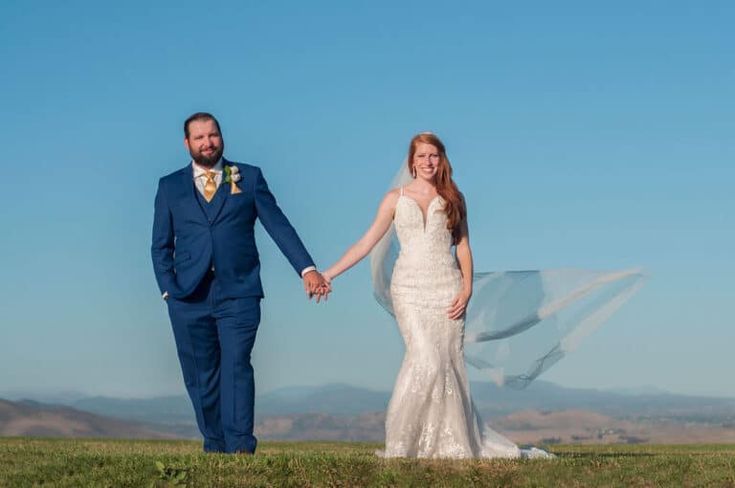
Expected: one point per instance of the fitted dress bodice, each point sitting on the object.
(430, 413)
(426, 271)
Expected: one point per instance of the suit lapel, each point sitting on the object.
(187, 192)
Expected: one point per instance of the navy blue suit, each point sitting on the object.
(205, 258)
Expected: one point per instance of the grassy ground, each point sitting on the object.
(62, 462)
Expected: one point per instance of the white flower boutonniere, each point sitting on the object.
(232, 176)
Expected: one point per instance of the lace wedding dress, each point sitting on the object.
(431, 414)
(517, 325)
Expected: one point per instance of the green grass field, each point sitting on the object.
(113, 463)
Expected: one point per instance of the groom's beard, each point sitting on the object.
(207, 161)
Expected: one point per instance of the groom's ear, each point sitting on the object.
(186, 143)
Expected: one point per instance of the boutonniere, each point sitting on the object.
(232, 176)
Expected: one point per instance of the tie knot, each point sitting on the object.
(209, 175)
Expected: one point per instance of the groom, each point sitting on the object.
(207, 268)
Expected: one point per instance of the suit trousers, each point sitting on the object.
(214, 338)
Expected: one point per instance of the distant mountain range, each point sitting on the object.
(542, 412)
(28, 418)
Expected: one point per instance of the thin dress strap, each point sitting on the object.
(401, 191)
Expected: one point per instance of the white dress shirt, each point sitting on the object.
(200, 175)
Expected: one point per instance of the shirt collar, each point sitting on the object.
(200, 171)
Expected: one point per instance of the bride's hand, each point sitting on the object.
(459, 305)
(324, 289)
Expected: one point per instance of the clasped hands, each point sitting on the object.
(317, 285)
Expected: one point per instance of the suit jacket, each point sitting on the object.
(187, 241)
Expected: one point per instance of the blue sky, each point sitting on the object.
(583, 134)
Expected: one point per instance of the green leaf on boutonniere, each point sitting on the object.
(228, 174)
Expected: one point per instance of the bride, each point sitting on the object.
(521, 322)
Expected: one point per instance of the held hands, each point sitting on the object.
(459, 305)
(315, 285)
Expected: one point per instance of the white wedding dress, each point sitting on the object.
(431, 414)
(517, 325)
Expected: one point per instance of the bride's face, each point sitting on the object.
(426, 161)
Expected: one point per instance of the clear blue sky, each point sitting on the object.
(584, 134)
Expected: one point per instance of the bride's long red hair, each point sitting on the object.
(445, 186)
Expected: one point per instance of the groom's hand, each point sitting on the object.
(316, 285)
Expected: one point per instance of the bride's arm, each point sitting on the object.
(464, 257)
(361, 248)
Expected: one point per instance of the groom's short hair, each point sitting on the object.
(199, 116)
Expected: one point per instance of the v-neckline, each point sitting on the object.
(425, 217)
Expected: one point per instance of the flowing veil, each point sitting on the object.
(519, 323)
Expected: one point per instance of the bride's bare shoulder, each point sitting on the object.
(390, 199)
(392, 195)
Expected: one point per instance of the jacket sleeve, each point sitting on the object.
(162, 246)
(278, 226)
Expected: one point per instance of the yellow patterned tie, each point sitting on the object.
(210, 187)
